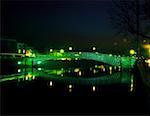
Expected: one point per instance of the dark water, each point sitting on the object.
(73, 91)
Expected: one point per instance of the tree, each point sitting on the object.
(132, 18)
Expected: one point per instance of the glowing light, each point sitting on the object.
(96, 66)
(50, 83)
(76, 70)
(131, 86)
(70, 86)
(144, 41)
(94, 71)
(28, 76)
(132, 52)
(33, 77)
(110, 68)
(24, 51)
(63, 58)
(51, 50)
(19, 62)
(110, 54)
(110, 72)
(80, 52)
(93, 88)
(69, 59)
(80, 73)
(62, 51)
(147, 46)
(28, 53)
(148, 62)
(70, 48)
(94, 48)
(19, 51)
(39, 68)
(61, 75)
(19, 70)
(39, 62)
(76, 58)
(70, 90)
(104, 70)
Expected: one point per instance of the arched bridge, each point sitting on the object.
(124, 62)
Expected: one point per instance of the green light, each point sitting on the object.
(110, 54)
(19, 62)
(39, 62)
(39, 68)
(62, 51)
(19, 51)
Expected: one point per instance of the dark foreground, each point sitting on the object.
(38, 96)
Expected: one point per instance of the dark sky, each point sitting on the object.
(57, 23)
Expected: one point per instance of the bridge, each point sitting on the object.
(124, 62)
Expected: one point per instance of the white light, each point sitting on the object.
(80, 52)
(39, 68)
(19, 70)
(62, 75)
(70, 48)
(93, 88)
(24, 51)
(110, 68)
(103, 69)
(94, 48)
(51, 50)
(80, 73)
(50, 83)
(70, 86)
(76, 58)
(94, 71)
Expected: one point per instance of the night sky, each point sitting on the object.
(58, 24)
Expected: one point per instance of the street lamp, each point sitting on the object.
(70, 48)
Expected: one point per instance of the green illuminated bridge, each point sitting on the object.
(124, 62)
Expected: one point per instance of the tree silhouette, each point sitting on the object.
(132, 18)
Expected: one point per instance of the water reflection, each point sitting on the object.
(75, 79)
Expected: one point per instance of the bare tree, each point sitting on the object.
(132, 18)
